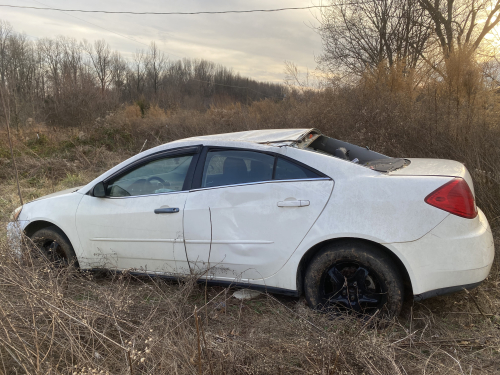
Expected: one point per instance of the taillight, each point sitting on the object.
(454, 197)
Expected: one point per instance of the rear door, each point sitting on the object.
(250, 213)
(139, 224)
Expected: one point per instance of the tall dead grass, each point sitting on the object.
(61, 321)
(53, 320)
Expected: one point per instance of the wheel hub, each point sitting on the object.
(55, 253)
(351, 286)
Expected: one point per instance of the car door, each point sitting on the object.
(139, 224)
(250, 213)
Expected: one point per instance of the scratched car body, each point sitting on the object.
(289, 211)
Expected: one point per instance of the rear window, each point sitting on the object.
(286, 170)
(356, 154)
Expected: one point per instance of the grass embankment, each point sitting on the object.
(66, 322)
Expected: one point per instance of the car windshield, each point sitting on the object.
(356, 154)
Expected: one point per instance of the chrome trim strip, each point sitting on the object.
(232, 242)
(224, 186)
(148, 195)
(264, 182)
(168, 240)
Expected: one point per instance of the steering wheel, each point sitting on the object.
(160, 180)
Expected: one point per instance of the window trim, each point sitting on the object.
(262, 182)
(198, 174)
(190, 150)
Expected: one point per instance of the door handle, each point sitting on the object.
(293, 203)
(168, 210)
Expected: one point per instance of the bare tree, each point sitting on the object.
(463, 24)
(138, 68)
(72, 61)
(155, 66)
(119, 68)
(52, 54)
(361, 34)
(6, 111)
(5, 33)
(101, 59)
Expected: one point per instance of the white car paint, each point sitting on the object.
(455, 252)
(125, 233)
(435, 167)
(254, 136)
(251, 234)
(244, 234)
(58, 209)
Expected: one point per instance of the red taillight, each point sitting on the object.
(454, 197)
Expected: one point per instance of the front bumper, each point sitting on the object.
(15, 231)
(456, 254)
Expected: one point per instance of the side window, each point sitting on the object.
(158, 176)
(236, 167)
(286, 170)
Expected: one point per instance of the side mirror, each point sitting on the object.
(99, 191)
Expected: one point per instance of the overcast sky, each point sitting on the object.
(255, 44)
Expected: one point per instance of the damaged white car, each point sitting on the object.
(288, 211)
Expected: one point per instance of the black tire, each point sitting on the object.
(54, 244)
(355, 277)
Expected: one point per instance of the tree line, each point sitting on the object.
(66, 82)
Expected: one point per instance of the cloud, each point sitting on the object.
(255, 44)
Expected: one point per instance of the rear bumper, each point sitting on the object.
(444, 291)
(456, 254)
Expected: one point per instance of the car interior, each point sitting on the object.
(158, 176)
(237, 167)
(356, 154)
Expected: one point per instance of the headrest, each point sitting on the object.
(234, 165)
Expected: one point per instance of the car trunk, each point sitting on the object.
(435, 167)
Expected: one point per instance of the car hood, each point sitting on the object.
(58, 193)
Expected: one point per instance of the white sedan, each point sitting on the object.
(288, 211)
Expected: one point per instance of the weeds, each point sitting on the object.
(64, 321)
(57, 321)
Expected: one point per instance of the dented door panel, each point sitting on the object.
(241, 232)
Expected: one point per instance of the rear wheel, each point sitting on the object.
(56, 247)
(353, 277)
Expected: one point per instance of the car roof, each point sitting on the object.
(282, 136)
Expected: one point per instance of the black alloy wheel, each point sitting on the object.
(54, 252)
(55, 246)
(353, 277)
(351, 286)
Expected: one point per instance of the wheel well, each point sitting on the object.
(309, 255)
(37, 225)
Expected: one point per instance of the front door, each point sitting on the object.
(250, 214)
(139, 225)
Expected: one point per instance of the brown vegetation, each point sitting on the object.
(86, 118)
(55, 320)
(63, 82)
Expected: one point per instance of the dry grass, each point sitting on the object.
(57, 321)
(64, 322)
